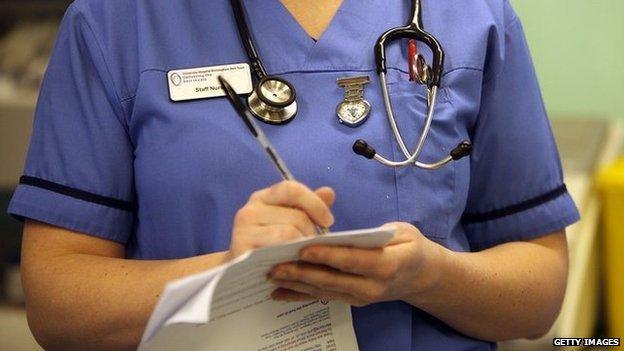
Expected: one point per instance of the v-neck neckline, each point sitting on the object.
(330, 24)
(284, 45)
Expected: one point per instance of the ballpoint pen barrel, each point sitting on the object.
(257, 132)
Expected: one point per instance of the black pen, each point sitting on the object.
(257, 132)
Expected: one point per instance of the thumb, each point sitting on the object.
(326, 194)
(403, 232)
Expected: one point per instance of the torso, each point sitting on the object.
(195, 164)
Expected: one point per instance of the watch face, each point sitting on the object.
(353, 113)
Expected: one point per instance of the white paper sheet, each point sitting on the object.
(229, 307)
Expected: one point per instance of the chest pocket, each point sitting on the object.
(425, 197)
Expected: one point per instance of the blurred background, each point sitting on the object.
(578, 50)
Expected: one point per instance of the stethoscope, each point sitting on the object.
(274, 99)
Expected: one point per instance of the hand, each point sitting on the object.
(361, 276)
(285, 211)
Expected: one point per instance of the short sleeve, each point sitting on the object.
(516, 183)
(79, 168)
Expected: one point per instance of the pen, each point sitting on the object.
(257, 132)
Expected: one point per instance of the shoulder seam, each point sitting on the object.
(106, 67)
(515, 20)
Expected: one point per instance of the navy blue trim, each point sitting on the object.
(78, 194)
(469, 218)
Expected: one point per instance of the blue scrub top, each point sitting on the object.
(112, 156)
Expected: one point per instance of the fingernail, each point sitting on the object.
(275, 296)
(271, 273)
(279, 274)
(281, 284)
(306, 255)
(330, 220)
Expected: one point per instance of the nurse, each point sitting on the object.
(125, 190)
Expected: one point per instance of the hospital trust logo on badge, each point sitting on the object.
(176, 79)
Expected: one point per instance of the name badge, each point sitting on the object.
(203, 83)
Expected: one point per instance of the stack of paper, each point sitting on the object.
(229, 307)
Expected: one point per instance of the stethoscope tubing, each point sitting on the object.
(411, 158)
(413, 30)
(245, 35)
(431, 101)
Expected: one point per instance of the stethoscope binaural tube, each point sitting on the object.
(274, 99)
(414, 30)
(464, 148)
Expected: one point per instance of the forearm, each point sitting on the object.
(81, 294)
(104, 306)
(510, 291)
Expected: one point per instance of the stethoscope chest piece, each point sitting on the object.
(273, 101)
(354, 109)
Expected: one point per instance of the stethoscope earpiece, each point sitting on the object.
(273, 101)
(462, 150)
(362, 148)
(422, 73)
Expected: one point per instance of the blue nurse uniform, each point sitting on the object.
(113, 157)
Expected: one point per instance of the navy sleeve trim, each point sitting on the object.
(78, 194)
(469, 218)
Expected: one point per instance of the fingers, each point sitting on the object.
(367, 262)
(326, 279)
(297, 195)
(283, 294)
(265, 215)
(273, 235)
(286, 211)
(326, 194)
(295, 291)
(404, 232)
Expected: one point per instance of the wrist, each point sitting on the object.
(434, 263)
(207, 261)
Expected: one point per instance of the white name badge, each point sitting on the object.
(203, 83)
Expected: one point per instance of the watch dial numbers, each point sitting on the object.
(353, 113)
